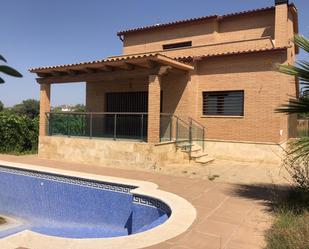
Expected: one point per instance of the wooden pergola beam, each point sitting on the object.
(105, 68)
(90, 70)
(128, 66)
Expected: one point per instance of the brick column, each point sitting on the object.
(44, 107)
(154, 101)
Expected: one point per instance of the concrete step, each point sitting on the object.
(204, 160)
(198, 154)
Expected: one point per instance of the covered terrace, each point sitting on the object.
(133, 113)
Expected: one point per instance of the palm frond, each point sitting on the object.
(2, 58)
(1, 81)
(9, 71)
(302, 42)
(300, 70)
(299, 148)
(300, 105)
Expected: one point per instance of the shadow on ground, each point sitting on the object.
(268, 194)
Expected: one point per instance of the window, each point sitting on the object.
(223, 103)
(178, 45)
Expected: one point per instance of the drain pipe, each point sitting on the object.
(121, 37)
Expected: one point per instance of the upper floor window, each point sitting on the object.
(229, 103)
(177, 45)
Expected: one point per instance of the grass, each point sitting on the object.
(2, 221)
(291, 226)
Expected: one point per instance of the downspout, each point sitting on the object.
(121, 37)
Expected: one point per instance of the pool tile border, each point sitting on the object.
(119, 188)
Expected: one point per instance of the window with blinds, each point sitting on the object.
(227, 103)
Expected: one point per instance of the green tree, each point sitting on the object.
(1, 106)
(29, 107)
(8, 70)
(79, 108)
(300, 106)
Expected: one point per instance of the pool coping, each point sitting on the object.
(182, 216)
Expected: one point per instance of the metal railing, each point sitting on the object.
(183, 133)
(132, 126)
(120, 126)
(197, 133)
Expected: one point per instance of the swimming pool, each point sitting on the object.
(73, 207)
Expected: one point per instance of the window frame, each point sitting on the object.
(177, 45)
(204, 114)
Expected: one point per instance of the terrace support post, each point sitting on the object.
(154, 102)
(44, 107)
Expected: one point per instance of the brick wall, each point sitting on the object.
(212, 31)
(264, 90)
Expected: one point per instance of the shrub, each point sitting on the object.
(18, 133)
(290, 231)
(298, 168)
(291, 225)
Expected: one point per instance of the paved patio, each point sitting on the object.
(229, 216)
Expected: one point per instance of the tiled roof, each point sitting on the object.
(249, 51)
(113, 59)
(192, 20)
(148, 55)
(108, 59)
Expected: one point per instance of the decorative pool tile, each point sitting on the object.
(70, 180)
(126, 189)
(148, 201)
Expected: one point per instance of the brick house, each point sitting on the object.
(205, 86)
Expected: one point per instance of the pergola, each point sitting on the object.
(152, 66)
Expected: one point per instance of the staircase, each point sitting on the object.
(189, 137)
(195, 153)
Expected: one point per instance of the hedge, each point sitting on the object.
(18, 133)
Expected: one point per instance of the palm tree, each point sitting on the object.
(300, 148)
(8, 70)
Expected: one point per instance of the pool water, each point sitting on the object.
(75, 208)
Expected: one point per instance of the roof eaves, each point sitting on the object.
(196, 58)
(196, 19)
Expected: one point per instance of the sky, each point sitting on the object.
(44, 33)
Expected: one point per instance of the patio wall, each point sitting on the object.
(246, 152)
(125, 154)
(129, 154)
